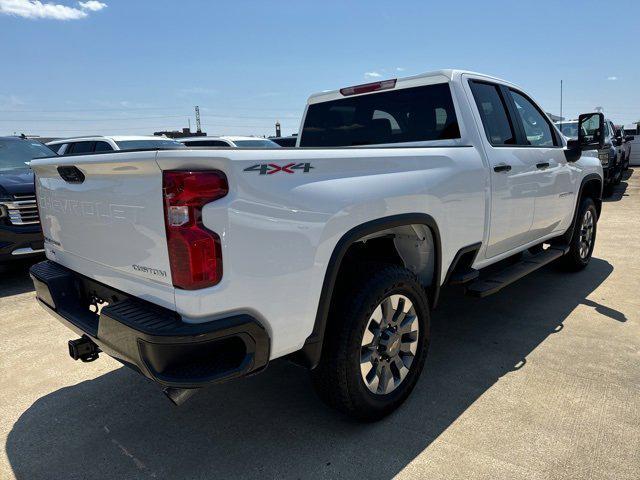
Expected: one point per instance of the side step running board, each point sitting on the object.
(464, 276)
(496, 282)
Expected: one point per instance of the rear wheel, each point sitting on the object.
(584, 237)
(375, 345)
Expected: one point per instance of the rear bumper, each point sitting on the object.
(151, 339)
(20, 241)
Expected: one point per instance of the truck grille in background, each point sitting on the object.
(23, 210)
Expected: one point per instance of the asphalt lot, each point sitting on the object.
(539, 381)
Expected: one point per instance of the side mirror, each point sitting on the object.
(591, 131)
(573, 152)
(629, 138)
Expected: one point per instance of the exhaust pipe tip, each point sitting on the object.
(178, 396)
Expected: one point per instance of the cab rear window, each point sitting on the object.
(408, 115)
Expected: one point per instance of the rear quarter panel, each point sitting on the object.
(278, 230)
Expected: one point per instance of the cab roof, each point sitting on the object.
(115, 138)
(427, 78)
(231, 138)
(240, 137)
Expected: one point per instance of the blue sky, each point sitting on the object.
(134, 66)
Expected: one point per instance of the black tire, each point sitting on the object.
(607, 191)
(577, 259)
(618, 178)
(338, 379)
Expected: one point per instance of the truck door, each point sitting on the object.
(555, 179)
(513, 174)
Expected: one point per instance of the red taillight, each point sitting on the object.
(195, 253)
(368, 87)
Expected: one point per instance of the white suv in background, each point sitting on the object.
(632, 137)
(227, 141)
(77, 145)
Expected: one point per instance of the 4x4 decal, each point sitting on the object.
(271, 168)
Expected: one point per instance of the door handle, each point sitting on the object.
(503, 167)
(542, 165)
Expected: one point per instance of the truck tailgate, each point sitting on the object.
(103, 216)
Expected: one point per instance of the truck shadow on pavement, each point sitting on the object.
(119, 425)
(14, 278)
(619, 191)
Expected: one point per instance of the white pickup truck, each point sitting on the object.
(196, 266)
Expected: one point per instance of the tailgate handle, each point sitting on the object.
(71, 174)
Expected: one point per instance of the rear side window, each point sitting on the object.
(150, 144)
(103, 147)
(255, 144)
(536, 126)
(206, 143)
(80, 147)
(493, 113)
(407, 115)
(58, 148)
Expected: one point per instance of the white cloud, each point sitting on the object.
(400, 69)
(612, 78)
(34, 9)
(92, 5)
(372, 75)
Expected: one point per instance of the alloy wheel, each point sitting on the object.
(389, 344)
(586, 234)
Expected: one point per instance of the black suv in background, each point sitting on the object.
(614, 168)
(20, 233)
(611, 156)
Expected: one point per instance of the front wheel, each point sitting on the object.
(607, 191)
(618, 178)
(375, 345)
(584, 237)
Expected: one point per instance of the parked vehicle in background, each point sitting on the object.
(632, 136)
(611, 163)
(611, 156)
(228, 141)
(20, 234)
(206, 264)
(569, 128)
(82, 145)
(624, 144)
(285, 141)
